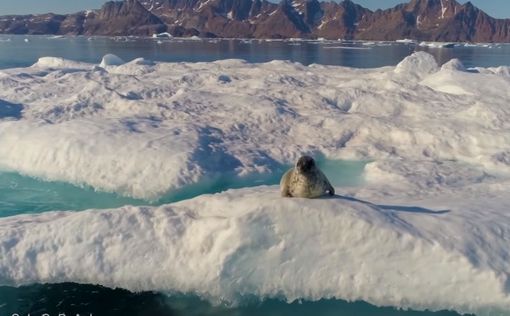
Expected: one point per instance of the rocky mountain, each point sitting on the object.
(434, 20)
(129, 17)
(430, 20)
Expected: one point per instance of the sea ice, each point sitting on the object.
(419, 64)
(436, 139)
(111, 60)
(454, 64)
(253, 242)
(141, 129)
(58, 62)
(162, 35)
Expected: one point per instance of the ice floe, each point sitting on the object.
(111, 60)
(252, 242)
(142, 129)
(428, 229)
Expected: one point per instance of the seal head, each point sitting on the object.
(305, 164)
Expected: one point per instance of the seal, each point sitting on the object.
(305, 180)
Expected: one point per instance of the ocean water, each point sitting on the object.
(76, 299)
(23, 51)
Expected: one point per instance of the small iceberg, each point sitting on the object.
(162, 35)
(454, 64)
(111, 60)
(59, 63)
(419, 64)
(437, 45)
(406, 41)
(253, 242)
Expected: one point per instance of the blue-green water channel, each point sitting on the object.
(21, 194)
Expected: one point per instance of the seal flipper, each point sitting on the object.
(330, 190)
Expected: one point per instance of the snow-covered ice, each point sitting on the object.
(142, 129)
(111, 60)
(437, 139)
(252, 242)
(437, 44)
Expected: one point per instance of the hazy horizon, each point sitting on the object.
(496, 8)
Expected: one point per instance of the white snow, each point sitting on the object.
(111, 60)
(142, 129)
(58, 62)
(202, 5)
(444, 8)
(419, 64)
(454, 80)
(323, 23)
(501, 70)
(253, 242)
(454, 64)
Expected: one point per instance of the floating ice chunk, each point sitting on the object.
(454, 64)
(162, 35)
(406, 41)
(476, 82)
(116, 156)
(253, 242)
(111, 60)
(57, 62)
(418, 65)
(502, 71)
(437, 45)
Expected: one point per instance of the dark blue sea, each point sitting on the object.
(23, 51)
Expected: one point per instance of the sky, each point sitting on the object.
(496, 8)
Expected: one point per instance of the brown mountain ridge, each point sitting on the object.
(424, 20)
